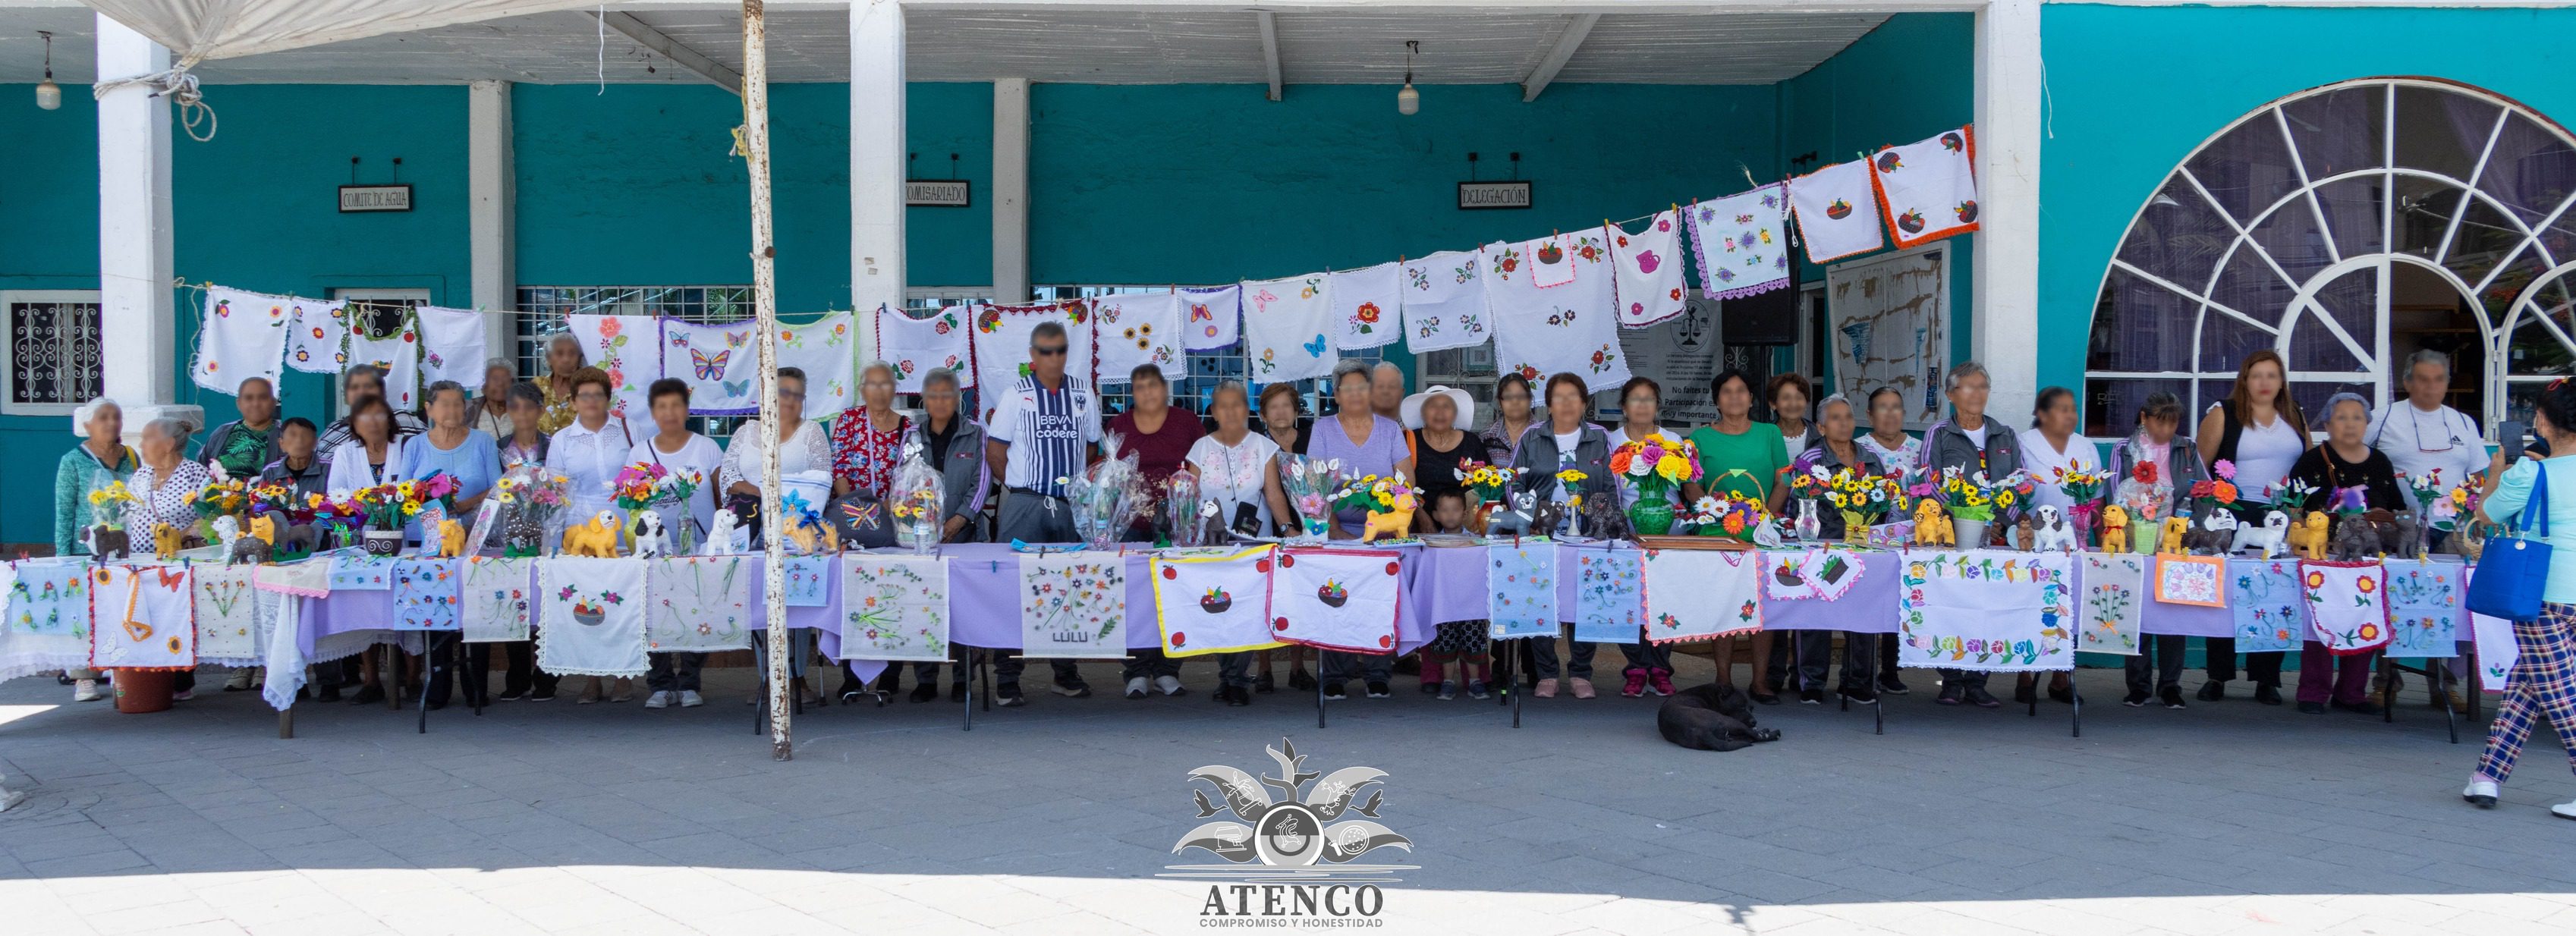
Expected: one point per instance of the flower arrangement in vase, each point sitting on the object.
(1974, 500)
(919, 500)
(1864, 499)
(1730, 515)
(1389, 502)
(1655, 466)
(2147, 498)
(532, 498)
(650, 484)
(1309, 484)
(1487, 485)
(2084, 488)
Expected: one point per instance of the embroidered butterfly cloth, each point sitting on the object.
(1742, 241)
(627, 348)
(1213, 604)
(1609, 594)
(1337, 599)
(452, 345)
(1928, 188)
(1986, 609)
(914, 346)
(425, 593)
(244, 336)
(718, 360)
(1444, 302)
(1074, 605)
(146, 618)
(2266, 605)
(2114, 600)
(1287, 329)
(826, 349)
(697, 604)
(1002, 341)
(590, 616)
(1565, 329)
(227, 613)
(2347, 605)
(1367, 305)
(1647, 269)
(1696, 594)
(396, 352)
(2424, 610)
(1136, 330)
(894, 607)
(1521, 579)
(1211, 318)
(493, 605)
(1837, 213)
(318, 339)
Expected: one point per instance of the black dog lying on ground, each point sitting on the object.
(1711, 718)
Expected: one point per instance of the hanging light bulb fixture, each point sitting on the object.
(1408, 101)
(49, 96)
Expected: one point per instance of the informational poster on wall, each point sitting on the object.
(1889, 320)
(1681, 354)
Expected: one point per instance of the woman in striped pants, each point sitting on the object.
(2543, 681)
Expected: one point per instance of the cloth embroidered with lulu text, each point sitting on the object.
(1986, 609)
(1139, 329)
(1609, 595)
(1073, 605)
(1520, 578)
(2424, 612)
(452, 346)
(244, 336)
(1337, 599)
(697, 604)
(1217, 603)
(1366, 306)
(1647, 269)
(720, 362)
(1001, 342)
(894, 607)
(1928, 188)
(146, 618)
(1444, 302)
(1565, 329)
(1211, 319)
(826, 349)
(915, 345)
(2114, 602)
(1837, 212)
(318, 342)
(2347, 605)
(1697, 594)
(1288, 329)
(1742, 241)
(227, 610)
(590, 616)
(2265, 605)
(493, 606)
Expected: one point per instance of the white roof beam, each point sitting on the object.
(1269, 24)
(1576, 30)
(713, 71)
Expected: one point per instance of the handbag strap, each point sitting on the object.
(2538, 507)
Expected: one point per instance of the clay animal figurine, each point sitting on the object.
(2355, 539)
(650, 540)
(1602, 519)
(1515, 520)
(522, 535)
(1932, 526)
(167, 540)
(240, 548)
(2021, 535)
(1211, 522)
(227, 529)
(1547, 518)
(105, 543)
(2212, 534)
(2269, 540)
(2308, 536)
(1395, 524)
(2051, 533)
(597, 538)
(2115, 529)
(2403, 536)
(451, 539)
(720, 539)
(2170, 543)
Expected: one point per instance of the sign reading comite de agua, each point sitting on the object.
(375, 198)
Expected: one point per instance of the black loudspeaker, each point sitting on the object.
(1767, 318)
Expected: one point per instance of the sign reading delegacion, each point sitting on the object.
(1479, 195)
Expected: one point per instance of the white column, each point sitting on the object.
(876, 162)
(1010, 190)
(136, 284)
(492, 201)
(2005, 335)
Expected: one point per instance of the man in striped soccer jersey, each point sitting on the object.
(1041, 432)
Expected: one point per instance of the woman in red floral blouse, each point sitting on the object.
(867, 441)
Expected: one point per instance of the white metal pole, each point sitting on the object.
(764, 288)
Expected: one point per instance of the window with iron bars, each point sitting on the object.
(543, 310)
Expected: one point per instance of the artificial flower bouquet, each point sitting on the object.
(2144, 494)
(110, 503)
(651, 484)
(918, 502)
(1730, 515)
(1310, 485)
(1865, 499)
(1107, 497)
(1486, 483)
(532, 502)
(221, 497)
(1655, 465)
(1388, 501)
(1975, 497)
(1180, 500)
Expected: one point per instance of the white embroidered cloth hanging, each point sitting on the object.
(1337, 599)
(1990, 610)
(2114, 602)
(1288, 329)
(827, 350)
(1696, 594)
(719, 361)
(1073, 605)
(1444, 302)
(914, 346)
(1211, 318)
(1742, 241)
(1568, 329)
(46, 624)
(1213, 604)
(493, 607)
(244, 336)
(1139, 329)
(453, 346)
(1002, 343)
(894, 607)
(1367, 305)
(697, 604)
(1550, 260)
(1928, 188)
(227, 609)
(146, 618)
(1646, 267)
(2347, 605)
(590, 616)
(316, 343)
(627, 348)
(1837, 212)
(397, 353)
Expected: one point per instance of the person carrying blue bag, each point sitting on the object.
(2524, 577)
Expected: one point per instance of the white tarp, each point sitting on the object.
(203, 30)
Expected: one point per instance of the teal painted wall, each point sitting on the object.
(1912, 77)
(2136, 89)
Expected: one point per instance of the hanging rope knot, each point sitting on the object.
(180, 85)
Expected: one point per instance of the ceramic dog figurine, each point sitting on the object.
(451, 539)
(2268, 541)
(720, 539)
(1602, 519)
(167, 540)
(1516, 519)
(650, 540)
(2170, 542)
(2212, 534)
(2051, 533)
(2308, 536)
(596, 538)
(1395, 524)
(1932, 526)
(2115, 529)
(2355, 539)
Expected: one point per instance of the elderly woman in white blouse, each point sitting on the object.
(161, 486)
(802, 447)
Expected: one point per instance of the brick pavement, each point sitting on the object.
(2225, 818)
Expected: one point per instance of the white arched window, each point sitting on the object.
(2343, 227)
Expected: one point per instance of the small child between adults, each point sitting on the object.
(1462, 642)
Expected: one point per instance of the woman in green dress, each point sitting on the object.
(1747, 458)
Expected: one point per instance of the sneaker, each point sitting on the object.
(925, 692)
(1660, 681)
(2363, 707)
(2213, 690)
(542, 695)
(2173, 697)
(1950, 695)
(183, 695)
(1136, 687)
(368, 695)
(2268, 695)
(1169, 686)
(1546, 689)
(1891, 685)
(2312, 708)
(512, 696)
(1379, 690)
(2482, 794)
(2136, 699)
(1301, 680)
(1811, 696)
(1073, 689)
(1636, 686)
(1476, 690)
(1008, 694)
(85, 690)
(1979, 697)
(689, 698)
(1859, 695)
(1448, 689)
(1236, 696)
(1581, 687)
(1333, 691)
(658, 700)
(1263, 685)
(2565, 810)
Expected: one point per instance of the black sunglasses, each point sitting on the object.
(1044, 351)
